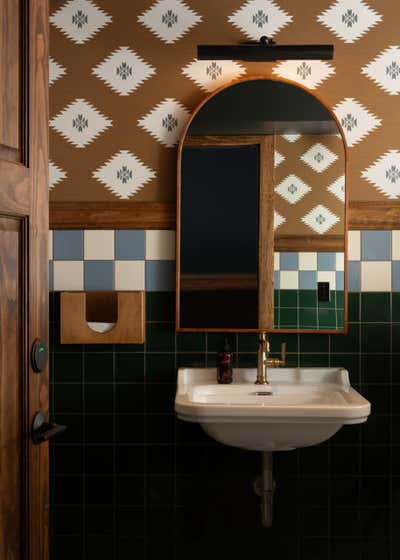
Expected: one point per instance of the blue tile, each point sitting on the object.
(376, 245)
(326, 261)
(340, 280)
(354, 276)
(289, 261)
(98, 275)
(51, 277)
(160, 276)
(276, 279)
(396, 276)
(67, 245)
(307, 280)
(130, 245)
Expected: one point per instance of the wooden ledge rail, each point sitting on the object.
(125, 309)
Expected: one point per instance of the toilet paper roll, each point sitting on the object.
(101, 327)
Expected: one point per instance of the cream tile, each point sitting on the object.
(354, 245)
(50, 241)
(68, 275)
(339, 261)
(160, 245)
(327, 276)
(98, 244)
(276, 261)
(376, 276)
(289, 280)
(396, 245)
(307, 261)
(129, 275)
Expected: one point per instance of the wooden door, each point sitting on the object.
(24, 496)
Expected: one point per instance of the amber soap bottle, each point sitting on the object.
(224, 365)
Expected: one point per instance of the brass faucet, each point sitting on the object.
(264, 361)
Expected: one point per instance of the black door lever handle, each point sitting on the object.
(42, 430)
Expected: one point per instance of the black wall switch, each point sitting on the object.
(324, 293)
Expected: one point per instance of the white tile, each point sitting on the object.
(354, 245)
(99, 244)
(276, 261)
(289, 280)
(327, 276)
(376, 276)
(307, 261)
(50, 241)
(160, 245)
(68, 275)
(129, 275)
(396, 245)
(340, 261)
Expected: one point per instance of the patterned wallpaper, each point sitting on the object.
(124, 79)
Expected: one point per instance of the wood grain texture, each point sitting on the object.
(130, 318)
(10, 32)
(309, 243)
(218, 282)
(266, 235)
(374, 215)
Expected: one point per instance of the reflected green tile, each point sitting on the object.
(288, 298)
(327, 319)
(340, 299)
(375, 306)
(331, 304)
(340, 318)
(375, 338)
(288, 318)
(308, 318)
(308, 298)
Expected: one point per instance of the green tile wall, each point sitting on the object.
(129, 481)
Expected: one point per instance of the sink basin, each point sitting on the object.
(307, 407)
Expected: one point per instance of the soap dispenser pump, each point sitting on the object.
(224, 365)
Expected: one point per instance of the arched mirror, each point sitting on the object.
(261, 212)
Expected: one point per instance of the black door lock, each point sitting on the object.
(43, 430)
(39, 355)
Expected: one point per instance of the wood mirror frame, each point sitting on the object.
(265, 287)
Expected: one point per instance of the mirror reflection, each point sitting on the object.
(261, 212)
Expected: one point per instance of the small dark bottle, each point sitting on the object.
(224, 365)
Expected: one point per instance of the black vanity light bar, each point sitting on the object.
(264, 51)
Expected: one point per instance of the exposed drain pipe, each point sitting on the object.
(264, 486)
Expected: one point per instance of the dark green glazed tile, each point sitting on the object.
(354, 306)
(307, 360)
(98, 460)
(308, 319)
(67, 368)
(68, 398)
(396, 338)
(74, 423)
(130, 428)
(375, 338)
(308, 298)
(314, 343)
(292, 342)
(190, 342)
(67, 521)
(288, 318)
(130, 459)
(248, 342)
(191, 359)
(276, 298)
(216, 341)
(99, 397)
(340, 299)
(130, 397)
(327, 319)
(160, 368)
(99, 520)
(99, 368)
(160, 306)
(376, 369)
(99, 428)
(396, 307)
(68, 459)
(160, 337)
(129, 367)
(129, 348)
(375, 307)
(288, 298)
(247, 360)
(349, 342)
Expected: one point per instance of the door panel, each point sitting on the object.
(24, 475)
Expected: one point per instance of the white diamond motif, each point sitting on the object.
(384, 70)
(169, 20)
(278, 158)
(319, 157)
(123, 71)
(309, 73)
(260, 17)
(80, 20)
(124, 174)
(55, 71)
(166, 121)
(356, 120)
(80, 123)
(292, 189)
(337, 188)
(384, 174)
(349, 19)
(210, 75)
(291, 137)
(278, 219)
(56, 175)
(320, 219)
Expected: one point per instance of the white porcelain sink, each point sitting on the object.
(308, 406)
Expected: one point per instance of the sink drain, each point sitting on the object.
(262, 393)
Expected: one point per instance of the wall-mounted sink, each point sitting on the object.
(307, 407)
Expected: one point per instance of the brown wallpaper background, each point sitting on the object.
(360, 30)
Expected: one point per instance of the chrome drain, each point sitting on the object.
(262, 393)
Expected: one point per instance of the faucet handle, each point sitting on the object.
(283, 353)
